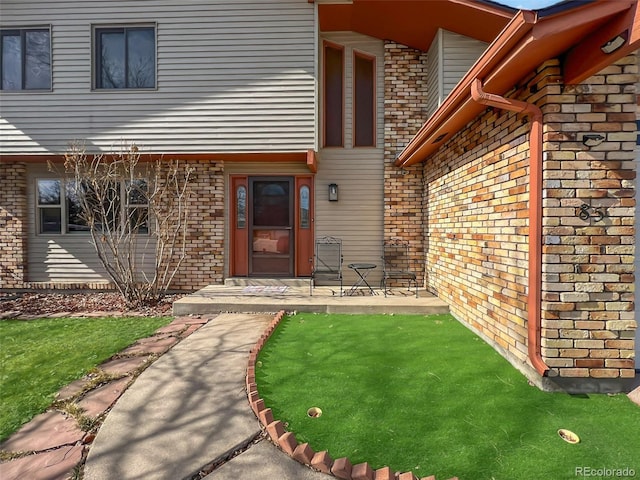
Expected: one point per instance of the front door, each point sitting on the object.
(271, 226)
(271, 222)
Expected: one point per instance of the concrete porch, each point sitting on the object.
(240, 295)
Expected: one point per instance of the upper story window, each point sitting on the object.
(364, 100)
(125, 57)
(333, 95)
(25, 59)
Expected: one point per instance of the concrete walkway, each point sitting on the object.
(189, 410)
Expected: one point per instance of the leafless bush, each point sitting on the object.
(133, 210)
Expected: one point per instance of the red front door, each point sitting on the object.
(271, 226)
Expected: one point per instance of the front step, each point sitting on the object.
(266, 282)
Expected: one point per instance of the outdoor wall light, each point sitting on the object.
(333, 192)
(592, 139)
(615, 43)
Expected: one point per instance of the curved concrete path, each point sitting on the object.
(188, 410)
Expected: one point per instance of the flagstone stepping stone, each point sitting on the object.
(45, 431)
(102, 398)
(53, 465)
(123, 366)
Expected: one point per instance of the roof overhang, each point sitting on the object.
(415, 22)
(575, 35)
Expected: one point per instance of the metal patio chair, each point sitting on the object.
(396, 265)
(327, 261)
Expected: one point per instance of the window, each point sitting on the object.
(49, 206)
(75, 222)
(125, 57)
(241, 207)
(137, 206)
(305, 207)
(364, 100)
(333, 95)
(59, 208)
(25, 59)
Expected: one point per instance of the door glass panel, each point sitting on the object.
(271, 204)
(271, 241)
(241, 207)
(305, 218)
(271, 222)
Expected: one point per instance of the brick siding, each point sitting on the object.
(13, 225)
(204, 264)
(405, 99)
(588, 265)
(476, 201)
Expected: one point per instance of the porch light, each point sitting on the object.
(592, 139)
(333, 192)
(615, 43)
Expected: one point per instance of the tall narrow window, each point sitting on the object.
(25, 59)
(137, 208)
(241, 207)
(125, 57)
(333, 95)
(364, 101)
(305, 207)
(49, 206)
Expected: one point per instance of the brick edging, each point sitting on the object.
(340, 468)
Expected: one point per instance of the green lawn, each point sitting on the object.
(427, 395)
(38, 357)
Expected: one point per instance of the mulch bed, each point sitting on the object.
(43, 304)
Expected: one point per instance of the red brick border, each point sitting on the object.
(302, 452)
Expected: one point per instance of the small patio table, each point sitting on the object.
(362, 270)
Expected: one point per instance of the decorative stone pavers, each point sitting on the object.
(303, 453)
(45, 431)
(125, 365)
(101, 399)
(52, 465)
(52, 445)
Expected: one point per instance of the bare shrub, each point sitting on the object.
(133, 210)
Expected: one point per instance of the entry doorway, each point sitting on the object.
(271, 231)
(271, 226)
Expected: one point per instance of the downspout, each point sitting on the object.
(534, 327)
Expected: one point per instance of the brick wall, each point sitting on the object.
(588, 264)
(476, 201)
(405, 100)
(205, 240)
(13, 227)
(476, 194)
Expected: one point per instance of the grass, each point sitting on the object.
(38, 357)
(424, 394)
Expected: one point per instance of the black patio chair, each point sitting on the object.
(327, 261)
(396, 265)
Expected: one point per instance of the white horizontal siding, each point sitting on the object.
(357, 217)
(68, 258)
(231, 77)
(434, 72)
(459, 53)
(449, 58)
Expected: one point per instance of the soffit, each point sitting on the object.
(415, 22)
(547, 38)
